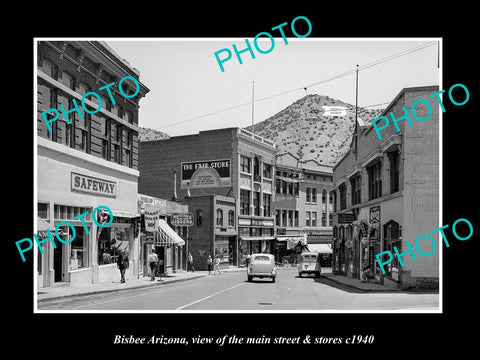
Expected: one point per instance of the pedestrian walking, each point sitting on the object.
(190, 262)
(247, 260)
(152, 260)
(217, 265)
(122, 264)
(209, 264)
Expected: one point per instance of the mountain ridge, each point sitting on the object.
(315, 127)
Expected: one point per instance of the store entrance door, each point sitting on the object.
(58, 262)
(160, 250)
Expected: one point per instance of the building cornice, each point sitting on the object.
(63, 150)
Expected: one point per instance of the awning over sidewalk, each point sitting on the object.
(167, 235)
(123, 214)
(292, 241)
(320, 248)
(256, 238)
(42, 227)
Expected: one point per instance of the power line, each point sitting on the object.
(348, 72)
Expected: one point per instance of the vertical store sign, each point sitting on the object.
(151, 216)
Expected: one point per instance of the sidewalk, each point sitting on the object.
(357, 284)
(65, 291)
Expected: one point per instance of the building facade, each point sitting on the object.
(86, 159)
(303, 207)
(386, 192)
(215, 230)
(164, 228)
(229, 162)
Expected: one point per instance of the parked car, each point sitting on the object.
(261, 266)
(309, 264)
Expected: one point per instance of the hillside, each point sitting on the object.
(316, 127)
(146, 134)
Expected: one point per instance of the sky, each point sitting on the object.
(189, 92)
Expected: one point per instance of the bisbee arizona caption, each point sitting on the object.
(122, 339)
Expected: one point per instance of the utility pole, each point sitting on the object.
(253, 100)
(356, 98)
(356, 113)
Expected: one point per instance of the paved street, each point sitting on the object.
(231, 291)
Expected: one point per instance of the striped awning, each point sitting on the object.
(42, 227)
(166, 235)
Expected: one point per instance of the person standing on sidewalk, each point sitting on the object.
(190, 262)
(209, 264)
(122, 264)
(217, 265)
(152, 260)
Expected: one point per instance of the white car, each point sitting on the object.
(261, 266)
(309, 264)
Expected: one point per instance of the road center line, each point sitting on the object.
(209, 296)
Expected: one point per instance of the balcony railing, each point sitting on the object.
(256, 137)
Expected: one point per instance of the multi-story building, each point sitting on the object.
(229, 162)
(214, 231)
(303, 206)
(86, 158)
(386, 192)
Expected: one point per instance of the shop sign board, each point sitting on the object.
(93, 185)
(144, 200)
(149, 238)
(374, 220)
(205, 174)
(346, 218)
(151, 217)
(182, 219)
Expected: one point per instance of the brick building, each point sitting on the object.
(303, 206)
(386, 192)
(84, 153)
(229, 162)
(215, 230)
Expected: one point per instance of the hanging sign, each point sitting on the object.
(151, 217)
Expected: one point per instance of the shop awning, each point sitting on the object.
(251, 238)
(320, 248)
(167, 236)
(292, 241)
(123, 214)
(42, 227)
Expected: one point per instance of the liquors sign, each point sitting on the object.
(181, 219)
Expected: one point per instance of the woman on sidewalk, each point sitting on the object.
(217, 265)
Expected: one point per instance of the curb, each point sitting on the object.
(96, 292)
(387, 289)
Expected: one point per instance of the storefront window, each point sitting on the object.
(221, 249)
(111, 242)
(392, 238)
(78, 250)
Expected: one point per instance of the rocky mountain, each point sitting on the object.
(315, 127)
(146, 134)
